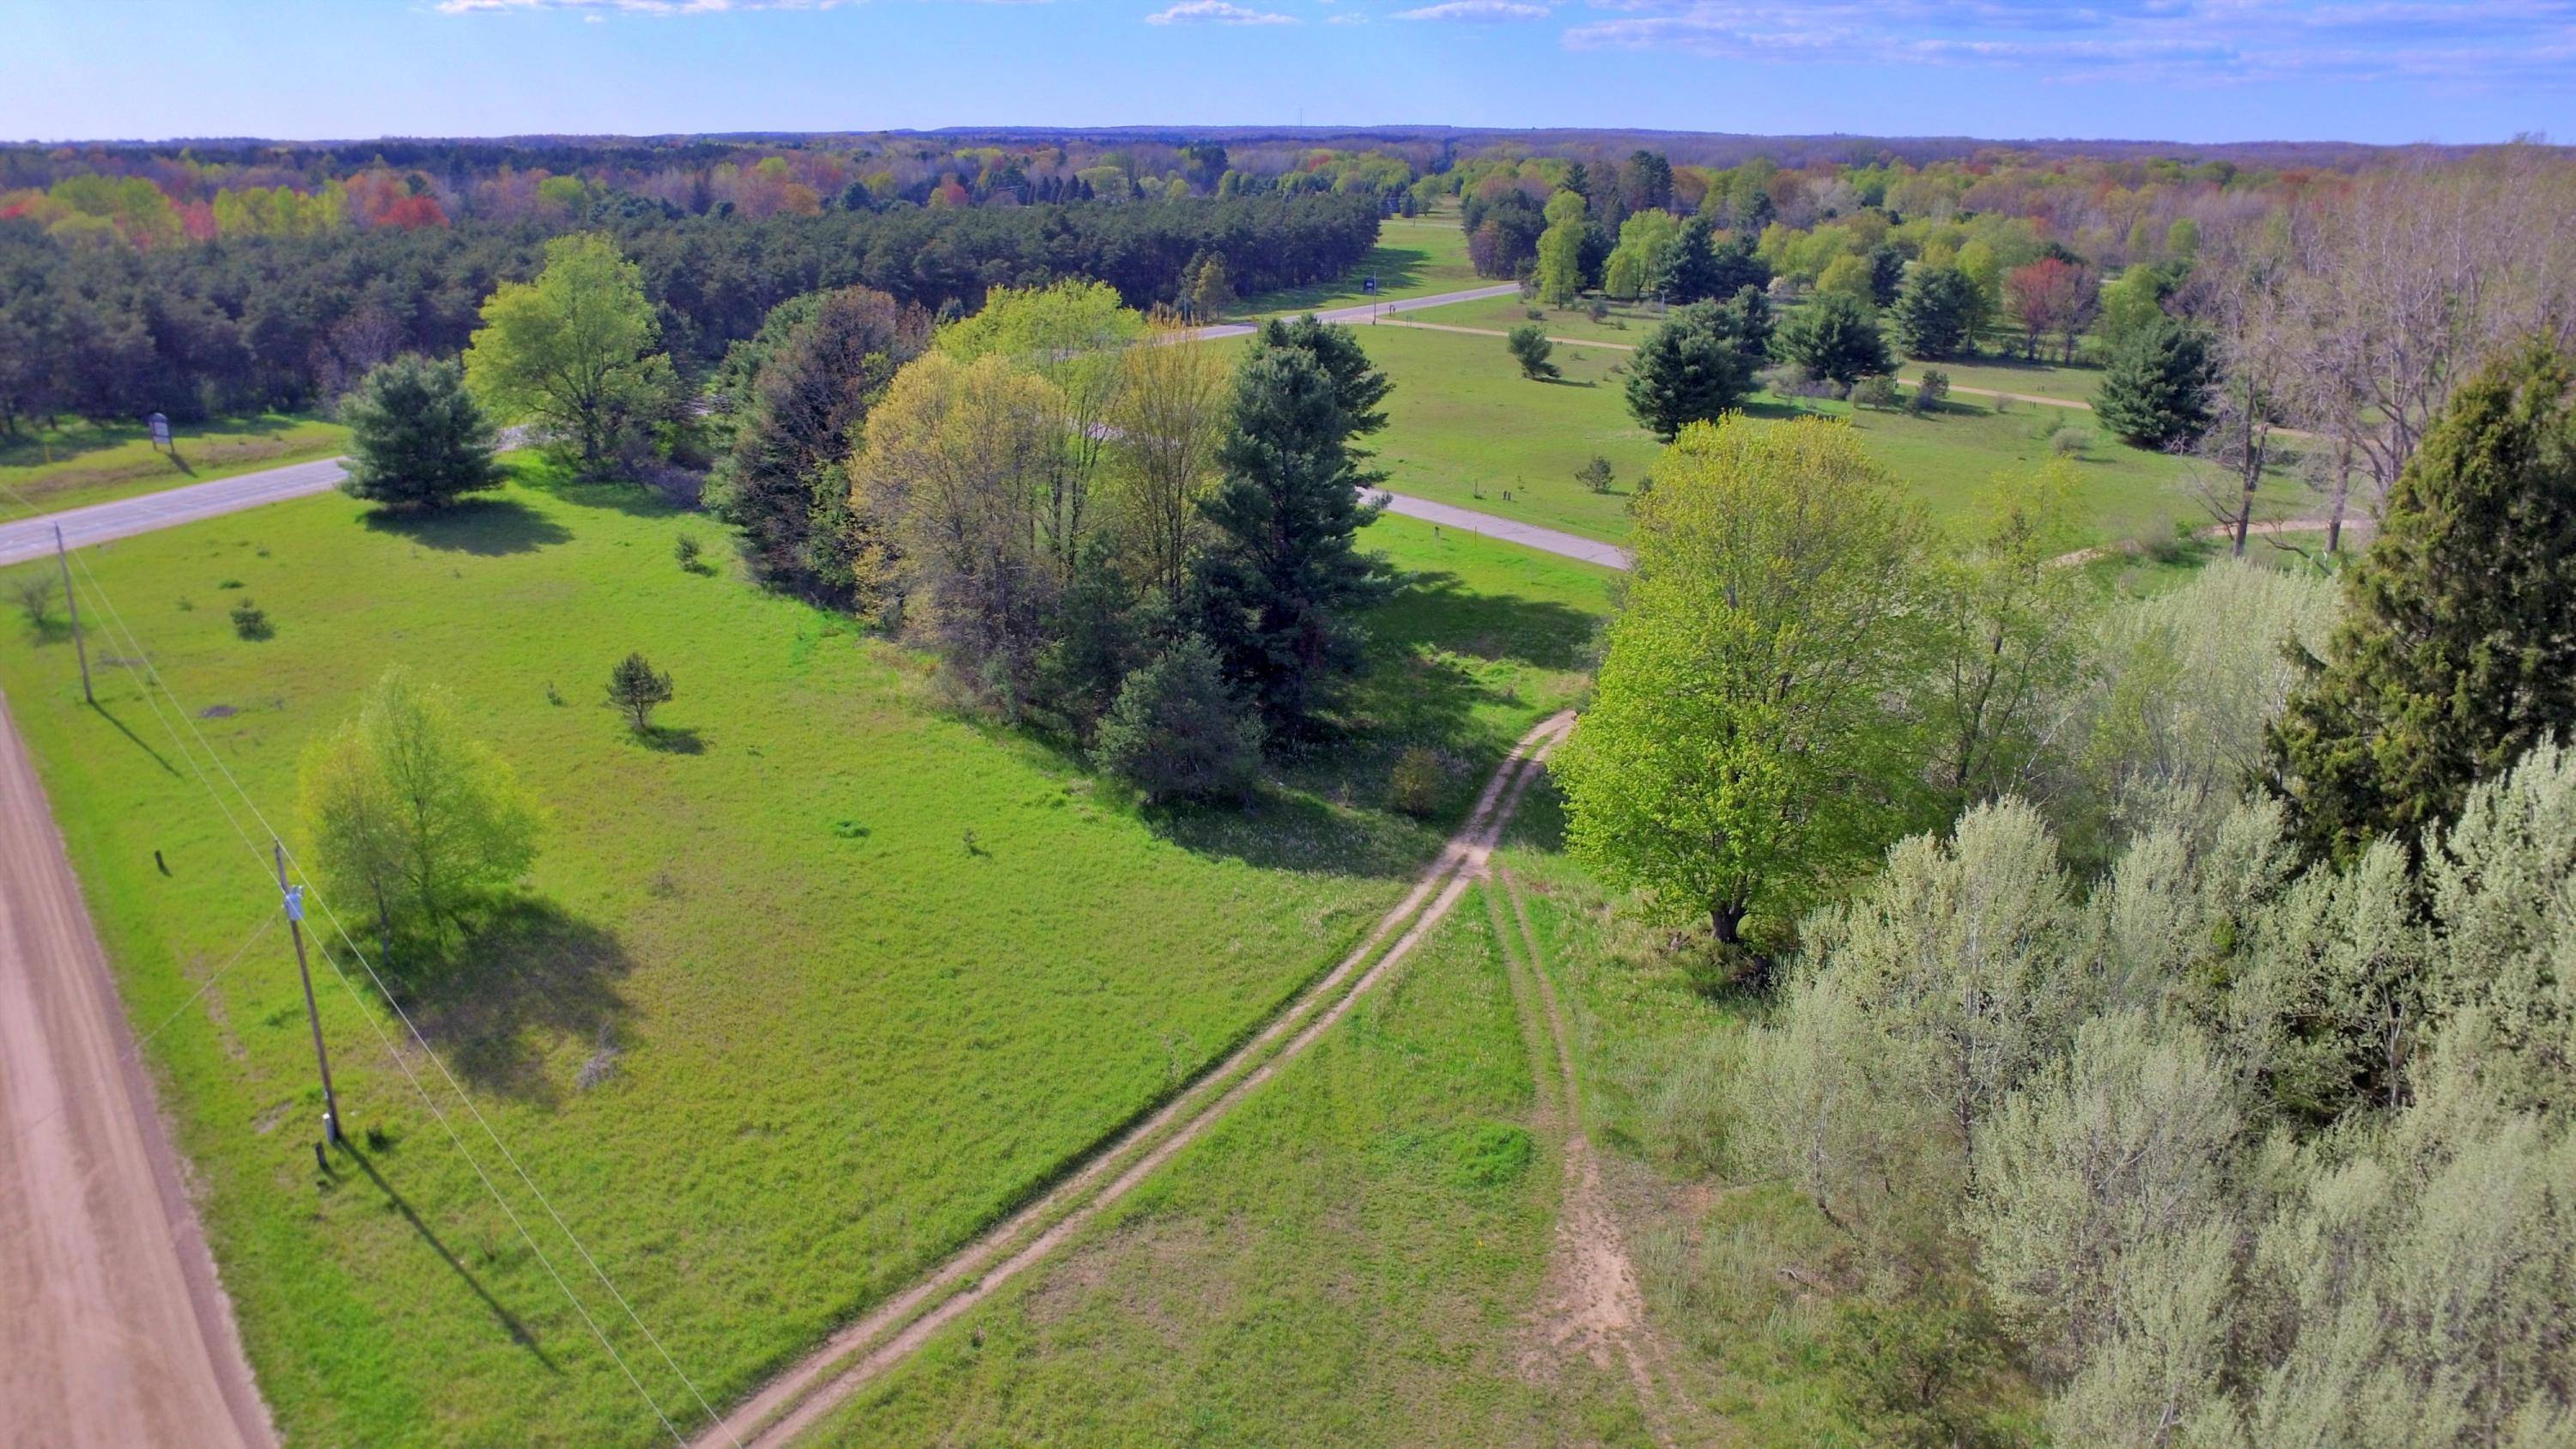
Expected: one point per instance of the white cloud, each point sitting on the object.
(2180, 42)
(1216, 12)
(1476, 12)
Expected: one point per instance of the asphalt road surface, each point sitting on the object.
(113, 1328)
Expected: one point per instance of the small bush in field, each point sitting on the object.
(250, 621)
(1414, 785)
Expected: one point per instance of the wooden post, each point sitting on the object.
(295, 928)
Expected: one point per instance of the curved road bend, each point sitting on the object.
(116, 1330)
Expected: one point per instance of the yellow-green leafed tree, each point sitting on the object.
(574, 351)
(1747, 743)
(408, 820)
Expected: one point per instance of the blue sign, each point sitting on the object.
(160, 429)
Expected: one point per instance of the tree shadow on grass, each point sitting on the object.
(1436, 610)
(485, 527)
(531, 979)
(1296, 830)
(672, 740)
(510, 1322)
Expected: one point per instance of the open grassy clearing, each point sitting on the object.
(798, 999)
(1465, 427)
(1628, 322)
(1355, 1256)
(78, 464)
(1739, 1277)
(1413, 258)
(2004, 374)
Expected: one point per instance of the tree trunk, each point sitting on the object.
(1724, 918)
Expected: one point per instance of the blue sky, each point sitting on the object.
(2189, 70)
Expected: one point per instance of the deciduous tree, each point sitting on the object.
(576, 350)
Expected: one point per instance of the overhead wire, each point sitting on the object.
(152, 678)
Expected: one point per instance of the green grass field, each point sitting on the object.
(1354, 1256)
(1627, 324)
(77, 464)
(2030, 379)
(1465, 427)
(1414, 258)
(796, 1000)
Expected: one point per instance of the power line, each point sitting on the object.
(317, 898)
(153, 677)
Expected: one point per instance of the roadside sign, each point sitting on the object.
(160, 429)
(1369, 285)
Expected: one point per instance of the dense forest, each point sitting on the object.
(105, 330)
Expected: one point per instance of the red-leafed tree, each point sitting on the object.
(411, 213)
(2052, 297)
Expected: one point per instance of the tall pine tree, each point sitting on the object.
(2457, 651)
(1283, 581)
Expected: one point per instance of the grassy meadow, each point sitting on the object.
(797, 996)
(1464, 427)
(77, 464)
(1627, 323)
(1354, 1256)
(1414, 257)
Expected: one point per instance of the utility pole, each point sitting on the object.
(294, 896)
(71, 601)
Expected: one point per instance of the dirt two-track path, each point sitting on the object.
(885, 1337)
(113, 1328)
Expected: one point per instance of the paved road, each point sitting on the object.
(1486, 525)
(1369, 311)
(116, 1330)
(33, 537)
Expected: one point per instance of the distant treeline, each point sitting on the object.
(106, 331)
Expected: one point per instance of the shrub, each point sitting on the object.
(1175, 733)
(35, 596)
(1931, 392)
(250, 621)
(1413, 786)
(1595, 475)
(1530, 348)
(685, 549)
(1875, 391)
(634, 688)
(2070, 442)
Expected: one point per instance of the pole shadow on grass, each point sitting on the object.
(485, 527)
(527, 980)
(139, 742)
(510, 1322)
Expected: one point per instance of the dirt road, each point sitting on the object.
(113, 1328)
(799, 1399)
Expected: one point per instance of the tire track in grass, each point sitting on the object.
(1598, 1307)
(887, 1335)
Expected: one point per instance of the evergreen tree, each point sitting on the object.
(784, 484)
(1530, 348)
(1693, 369)
(634, 688)
(417, 438)
(1283, 579)
(2156, 391)
(1836, 337)
(2456, 653)
(1691, 272)
(1357, 384)
(1175, 733)
(1738, 266)
(1938, 312)
(1886, 274)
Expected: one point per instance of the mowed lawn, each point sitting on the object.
(1358, 1255)
(1627, 323)
(78, 464)
(1413, 258)
(1465, 427)
(795, 1001)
